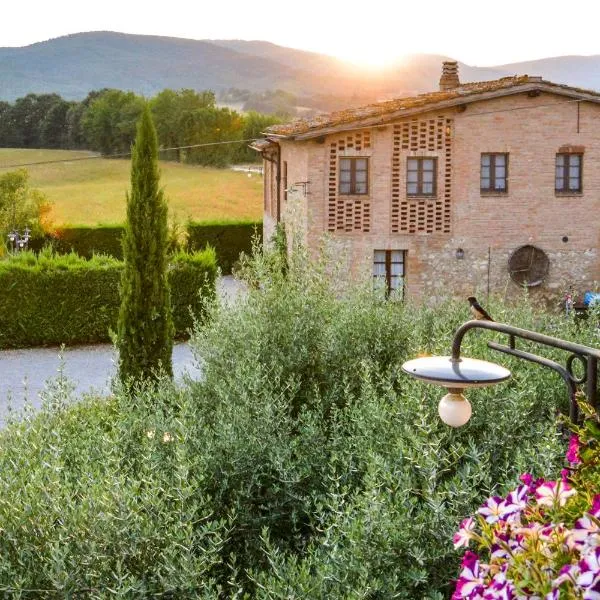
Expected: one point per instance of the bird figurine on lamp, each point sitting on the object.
(477, 310)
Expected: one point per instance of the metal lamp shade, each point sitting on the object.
(455, 374)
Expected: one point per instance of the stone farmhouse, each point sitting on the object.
(474, 188)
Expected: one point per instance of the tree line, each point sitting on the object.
(105, 121)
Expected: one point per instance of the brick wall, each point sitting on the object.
(487, 227)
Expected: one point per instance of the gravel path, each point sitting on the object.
(25, 373)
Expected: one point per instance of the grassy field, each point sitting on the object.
(90, 192)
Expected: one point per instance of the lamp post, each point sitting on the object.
(456, 373)
(19, 241)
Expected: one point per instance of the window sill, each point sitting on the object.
(422, 197)
(355, 196)
(493, 193)
(568, 194)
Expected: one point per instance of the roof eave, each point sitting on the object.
(263, 144)
(274, 136)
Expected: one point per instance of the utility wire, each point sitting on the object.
(122, 154)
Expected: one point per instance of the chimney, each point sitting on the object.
(449, 79)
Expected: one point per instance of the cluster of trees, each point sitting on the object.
(105, 121)
(279, 103)
(287, 105)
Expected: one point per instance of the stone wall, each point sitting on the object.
(486, 269)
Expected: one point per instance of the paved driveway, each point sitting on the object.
(24, 373)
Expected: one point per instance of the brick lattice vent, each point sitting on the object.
(422, 215)
(347, 213)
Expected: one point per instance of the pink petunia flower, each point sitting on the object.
(589, 574)
(492, 509)
(498, 549)
(515, 503)
(530, 482)
(567, 573)
(500, 588)
(464, 535)
(595, 510)
(582, 530)
(517, 543)
(552, 531)
(551, 493)
(526, 478)
(529, 536)
(573, 451)
(470, 582)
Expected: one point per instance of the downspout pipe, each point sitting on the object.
(278, 181)
(277, 162)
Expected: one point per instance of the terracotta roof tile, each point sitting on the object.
(338, 118)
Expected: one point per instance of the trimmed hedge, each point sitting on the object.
(228, 238)
(54, 299)
(192, 277)
(85, 241)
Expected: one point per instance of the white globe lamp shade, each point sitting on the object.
(454, 409)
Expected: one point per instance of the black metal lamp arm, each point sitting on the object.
(587, 356)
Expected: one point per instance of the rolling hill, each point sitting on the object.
(75, 64)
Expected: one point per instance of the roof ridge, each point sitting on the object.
(424, 100)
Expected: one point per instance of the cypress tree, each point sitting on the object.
(145, 327)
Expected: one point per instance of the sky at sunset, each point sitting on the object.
(368, 33)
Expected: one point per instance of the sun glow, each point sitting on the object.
(372, 53)
(370, 58)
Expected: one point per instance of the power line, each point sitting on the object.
(122, 154)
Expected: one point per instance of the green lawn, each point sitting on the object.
(89, 192)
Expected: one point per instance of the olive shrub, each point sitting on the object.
(303, 463)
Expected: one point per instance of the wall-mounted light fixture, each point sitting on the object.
(297, 184)
(460, 253)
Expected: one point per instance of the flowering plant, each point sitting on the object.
(542, 540)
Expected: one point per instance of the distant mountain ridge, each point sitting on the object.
(74, 65)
